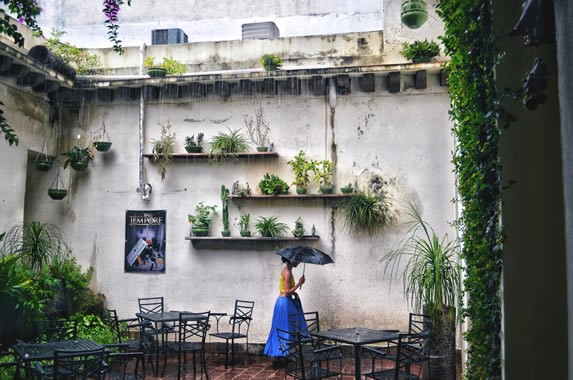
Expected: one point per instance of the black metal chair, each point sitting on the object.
(191, 334)
(56, 330)
(75, 365)
(298, 366)
(240, 323)
(318, 351)
(125, 331)
(128, 365)
(411, 349)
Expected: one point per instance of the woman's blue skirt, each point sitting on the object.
(287, 315)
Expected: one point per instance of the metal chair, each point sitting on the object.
(298, 366)
(56, 330)
(75, 365)
(9, 365)
(123, 330)
(128, 365)
(192, 331)
(240, 323)
(411, 349)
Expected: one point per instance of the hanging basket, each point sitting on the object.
(101, 139)
(57, 190)
(414, 13)
(43, 165)
(42, 162)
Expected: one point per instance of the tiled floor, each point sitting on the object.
(259, 368)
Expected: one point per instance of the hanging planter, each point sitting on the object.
(414, 13)
(57, 190)
(78, 158)
(42, 162)
(101, 139)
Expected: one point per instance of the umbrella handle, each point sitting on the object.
(303, 269)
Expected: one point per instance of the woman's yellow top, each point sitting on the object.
(282, 283)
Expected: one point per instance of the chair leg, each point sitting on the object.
(232, 351)
(226, 353)
(204, 364)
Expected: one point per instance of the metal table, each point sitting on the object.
(357, 337)
(31, 352)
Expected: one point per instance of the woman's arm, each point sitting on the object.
(288, 290)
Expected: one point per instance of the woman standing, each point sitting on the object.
(288, 314)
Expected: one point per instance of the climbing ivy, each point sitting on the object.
(469, 41)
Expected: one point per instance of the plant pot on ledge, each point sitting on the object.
(246, 233)
(198, 231)
(225, 233)
(156, 72)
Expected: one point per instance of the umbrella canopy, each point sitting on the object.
(304, 254)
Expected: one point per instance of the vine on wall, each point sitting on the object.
(469, 41)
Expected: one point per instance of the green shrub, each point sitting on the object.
(420, 50)
(271, 184)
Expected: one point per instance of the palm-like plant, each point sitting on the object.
(431, 275)
(38, 243)
(367, 213)
(163, 149)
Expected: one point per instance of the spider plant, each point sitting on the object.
(269, 226)
(366, 213)
(431, 275)
(228, 144)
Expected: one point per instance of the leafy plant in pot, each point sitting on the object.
(163, 148)
(298, 230)
(271, 184)
(301, 168)
(245, 225)
(79, 158)
(271, 62)
(270, 226)
(169, 66)
(324, 171)
(192, 145)
(431, 278)
(420, 51)
(201, 220)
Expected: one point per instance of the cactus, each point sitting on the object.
(225, 200)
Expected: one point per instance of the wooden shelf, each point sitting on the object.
(256, 242)
(243, 155)
(291, 196)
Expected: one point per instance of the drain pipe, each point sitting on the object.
(144, 188)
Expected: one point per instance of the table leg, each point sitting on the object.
(357, 357)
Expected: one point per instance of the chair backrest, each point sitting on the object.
(54, 330)
(242, 316)
(125, 365)
(193, 327)
(418, 323)
(113, 323)
(411, 349)
(150, 305)
(306, 323)
(290, 343)
(312, 321)
(79, 365)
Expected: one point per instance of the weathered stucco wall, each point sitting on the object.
(405, 139)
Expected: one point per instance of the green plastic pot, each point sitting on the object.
(79, 166)
(102, 146)
(156, 72)
(43, 165)
(414, 13)
(57, 194)
(200, 231)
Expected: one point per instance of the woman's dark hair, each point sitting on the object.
(285, 260)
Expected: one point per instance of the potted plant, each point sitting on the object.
(163, 148)
(201, 220)
(271, 184)
(347, 189)
(258, 132)
(298, 230)
(169, 66)
(245, 225)
(431, 277)
(301, 168)
(323, 171)
(228, 144)
(269, 226)
(57, 190)
(366, 213)
(78, 158)
(225, 211)
(192, 145)
(271, 62)
(420, 51)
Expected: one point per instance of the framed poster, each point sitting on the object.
(145, 241)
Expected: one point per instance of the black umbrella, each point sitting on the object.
(304, 254)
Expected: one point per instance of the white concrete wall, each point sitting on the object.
(403, 138)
